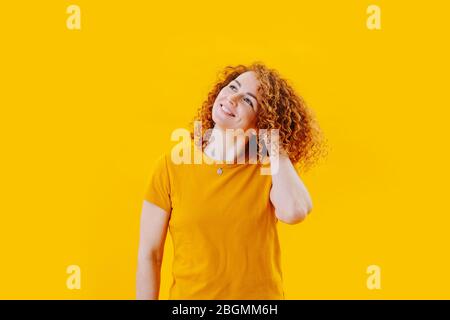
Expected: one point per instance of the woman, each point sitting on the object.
(222, 216)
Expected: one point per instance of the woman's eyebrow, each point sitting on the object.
(250, 94)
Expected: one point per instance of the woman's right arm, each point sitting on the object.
(153, 231)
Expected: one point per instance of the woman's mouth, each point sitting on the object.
(227, 111)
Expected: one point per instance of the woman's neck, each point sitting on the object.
(223, 146)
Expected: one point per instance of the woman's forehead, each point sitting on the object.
(249, 81)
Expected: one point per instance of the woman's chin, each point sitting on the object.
(223, 123)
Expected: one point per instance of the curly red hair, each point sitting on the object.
(280, 108)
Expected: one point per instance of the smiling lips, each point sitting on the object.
(227, 111)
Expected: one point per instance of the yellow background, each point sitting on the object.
(84, 113)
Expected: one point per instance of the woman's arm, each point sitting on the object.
(288, 194)
(153, 231)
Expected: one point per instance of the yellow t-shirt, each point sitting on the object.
(223, 228)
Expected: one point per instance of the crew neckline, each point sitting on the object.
(215, 164)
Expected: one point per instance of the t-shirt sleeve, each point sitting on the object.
(158, 185)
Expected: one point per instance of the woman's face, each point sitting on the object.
(236, 104)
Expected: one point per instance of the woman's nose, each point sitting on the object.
(232, 99)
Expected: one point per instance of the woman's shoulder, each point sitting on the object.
(170, 157)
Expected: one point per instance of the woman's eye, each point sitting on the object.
(248, 101)
(233, 87)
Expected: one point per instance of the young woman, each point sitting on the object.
(222, 216)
